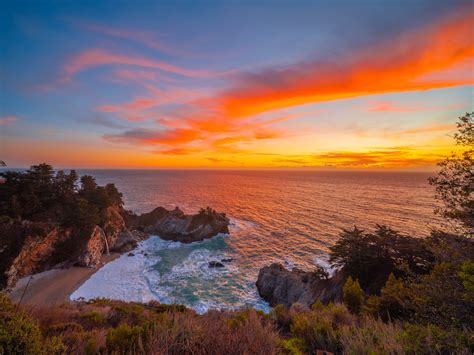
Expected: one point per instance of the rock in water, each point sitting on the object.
(177, 226)
(278, 285)
(213, 264)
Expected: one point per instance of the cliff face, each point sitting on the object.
(177, 226)
(32, 247)
(39, 241)
(278, 285)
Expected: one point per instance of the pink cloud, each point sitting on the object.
(98, 57)
(8, 119)
(389, 106)
(147, 38)
(141, 75)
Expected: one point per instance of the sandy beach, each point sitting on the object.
(53, 287)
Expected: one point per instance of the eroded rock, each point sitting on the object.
(278, 285)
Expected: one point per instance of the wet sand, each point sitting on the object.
(53, 287)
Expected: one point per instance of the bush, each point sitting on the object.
(371, 336)
(124, 338)
(353, 295)
(21, 334)
(430, 339)
(391, 304)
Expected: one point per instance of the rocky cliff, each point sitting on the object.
(278, 285)
(30, 247)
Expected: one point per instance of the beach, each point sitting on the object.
(53, 287)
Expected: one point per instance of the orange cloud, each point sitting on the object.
(387, 158)
(8, 119)
(400, 64)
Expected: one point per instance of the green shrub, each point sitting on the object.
(293, 346)
(353, 295)
(370, 336)
(94, 316)
(467, 276)
(124, 338)
(19, 333)
(391, 304)
(431, 339)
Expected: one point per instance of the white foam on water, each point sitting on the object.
(136, 278)
(323, 261)
(123, 278)
(241, 224)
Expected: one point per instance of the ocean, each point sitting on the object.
(291, 217)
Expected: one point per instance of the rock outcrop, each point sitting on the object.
(38, 246)
(278, 285)
(177, 226)
(31, 247)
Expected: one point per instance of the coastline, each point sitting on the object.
(55, 286)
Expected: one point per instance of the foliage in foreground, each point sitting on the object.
(114, 327)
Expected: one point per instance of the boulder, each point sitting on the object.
(125, 241)
(278, 285)
(213, 264)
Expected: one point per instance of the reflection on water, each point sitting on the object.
(286, 216)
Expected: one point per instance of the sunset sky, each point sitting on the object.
(242, 84)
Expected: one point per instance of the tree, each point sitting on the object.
(454, 182)
(372, 256)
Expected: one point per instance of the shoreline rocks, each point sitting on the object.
(277, 285)
(177, 226)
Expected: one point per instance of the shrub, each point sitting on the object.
(431, 339)
(467, 277)
(353, 295)
(124, 338)
(21, 334)
(371, 336)
(391, 304)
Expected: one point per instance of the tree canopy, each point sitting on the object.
(455, 180)
(41, 194)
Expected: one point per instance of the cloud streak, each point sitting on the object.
(8, 119)
(97, 57)
(396, 65)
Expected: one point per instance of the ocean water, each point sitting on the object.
(291, 217)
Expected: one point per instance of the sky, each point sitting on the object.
(363, 84)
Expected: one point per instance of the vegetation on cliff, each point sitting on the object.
(51, 218)
(41, 195)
